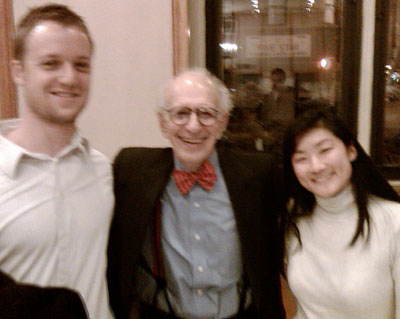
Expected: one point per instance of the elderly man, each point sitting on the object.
(195, 228)
(56, 192)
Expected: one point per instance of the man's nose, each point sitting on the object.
(193, 123)
(68, 74)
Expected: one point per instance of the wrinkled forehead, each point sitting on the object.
(191, 86)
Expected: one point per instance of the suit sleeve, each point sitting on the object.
(114, 252)
(128, 228)
(273, 207)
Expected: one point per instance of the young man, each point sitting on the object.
(55, 192)
(195, 229)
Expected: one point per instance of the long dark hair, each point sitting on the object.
(365, 179)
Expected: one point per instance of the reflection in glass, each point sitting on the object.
(391, 126)
(277, 54)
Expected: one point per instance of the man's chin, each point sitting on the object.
(192, 161)
(62, 120)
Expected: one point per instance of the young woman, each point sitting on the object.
(342, 225)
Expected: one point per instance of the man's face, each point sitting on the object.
(277, 80)
(192, 142)
(54, 72)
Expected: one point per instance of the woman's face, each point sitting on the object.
(322, 163)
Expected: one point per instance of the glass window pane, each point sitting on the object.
(277, 54)
(391, 110)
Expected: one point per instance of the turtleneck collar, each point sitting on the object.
(339, 203)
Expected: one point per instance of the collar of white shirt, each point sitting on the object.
(12, 153)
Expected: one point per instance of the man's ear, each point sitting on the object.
(163, 124)
(17, 72)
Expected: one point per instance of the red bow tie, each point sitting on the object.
(205, 177)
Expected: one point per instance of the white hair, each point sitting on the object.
(222, 93)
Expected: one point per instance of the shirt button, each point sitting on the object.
(200, 292)
(196, 204)
(197, 236)
(200, 269)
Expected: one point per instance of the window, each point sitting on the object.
(385, 142)
(275, 55)
(8, 96)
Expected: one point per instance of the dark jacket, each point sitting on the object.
(18, 301)
(140, 176)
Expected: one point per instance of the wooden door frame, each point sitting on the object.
(8, 92)
(180, 35)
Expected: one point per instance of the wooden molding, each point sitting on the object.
(8, 95)
(396, 188)
(180, 29)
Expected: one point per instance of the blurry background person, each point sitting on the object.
(195, 231)
(245, 129)
(56, 191)
(342, 226)
(280, 100)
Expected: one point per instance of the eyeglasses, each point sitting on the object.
(205, 115)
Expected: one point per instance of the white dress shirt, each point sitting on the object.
(54, 219)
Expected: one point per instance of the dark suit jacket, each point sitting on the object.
(140, 176)
(18, 301)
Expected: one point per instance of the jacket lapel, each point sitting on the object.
(241, 184)
(245, 188)
(158, 175)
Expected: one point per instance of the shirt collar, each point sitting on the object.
(339, 203)
(77, 142)
(11, 153)
(213, 159)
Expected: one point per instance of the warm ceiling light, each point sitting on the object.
(325, 63)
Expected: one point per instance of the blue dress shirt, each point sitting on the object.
(200, 251)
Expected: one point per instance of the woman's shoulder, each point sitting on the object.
(383, 203)
(383, 210)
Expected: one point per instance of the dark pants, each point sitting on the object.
(150, 312)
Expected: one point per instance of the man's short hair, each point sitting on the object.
(50, 12)
(278, 71)
(223, 94)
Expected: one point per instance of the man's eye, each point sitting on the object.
(82, 66)
(182, 113)
(206, 115)
(50, 64)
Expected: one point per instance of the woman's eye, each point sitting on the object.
(325, 150)
(299, 159)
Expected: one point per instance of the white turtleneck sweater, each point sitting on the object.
(332, 280)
